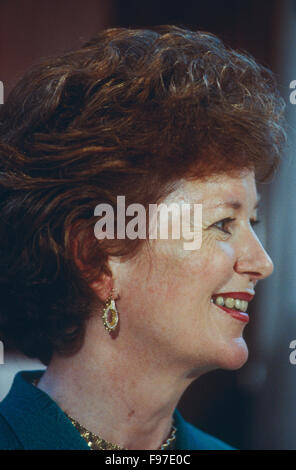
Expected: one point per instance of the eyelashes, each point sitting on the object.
(255, 222)
(223, 222)
(229, 220)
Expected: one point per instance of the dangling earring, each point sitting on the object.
(110, 314)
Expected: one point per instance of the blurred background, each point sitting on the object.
(253, 408)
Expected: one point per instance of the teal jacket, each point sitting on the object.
(30, 419)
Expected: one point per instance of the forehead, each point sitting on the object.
(220, 190)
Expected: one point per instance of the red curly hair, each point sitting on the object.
(129, 113)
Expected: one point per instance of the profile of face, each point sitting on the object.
(167, 294)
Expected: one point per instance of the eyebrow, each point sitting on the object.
(236, 205)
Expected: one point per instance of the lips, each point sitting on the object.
(235, 295)
(241, 299)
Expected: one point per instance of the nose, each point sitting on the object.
(253, 259)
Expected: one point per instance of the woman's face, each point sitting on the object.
(166, 292)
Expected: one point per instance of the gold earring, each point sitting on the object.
(110, 314)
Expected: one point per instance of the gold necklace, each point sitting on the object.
(95, 442)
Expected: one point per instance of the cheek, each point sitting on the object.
(210, 265)
(226, 254)
(158, 273)
(174, 272)
(218, 263)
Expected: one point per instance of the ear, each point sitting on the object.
(103, 287)
(109, 280)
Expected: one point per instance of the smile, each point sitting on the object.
(234, 303)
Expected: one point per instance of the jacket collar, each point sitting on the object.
(39, 423)
(36, 419)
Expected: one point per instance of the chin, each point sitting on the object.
(234, 355)
(230, 356)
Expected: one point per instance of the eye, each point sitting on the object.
(254, 222)
(220, 225)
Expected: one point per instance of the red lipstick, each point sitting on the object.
(242, 316)
(235, 295)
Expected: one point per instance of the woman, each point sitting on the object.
(125, 324)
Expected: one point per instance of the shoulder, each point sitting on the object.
(14, 411)
(8, 439)
(31, 420)
(205, 441)
(192, 438)
(9, 436)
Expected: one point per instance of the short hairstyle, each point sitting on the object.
(129, 113)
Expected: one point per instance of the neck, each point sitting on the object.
(116, 391)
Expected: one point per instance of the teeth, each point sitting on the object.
(244, 306)
(238, 304)
(219, 301)
(229, 302)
